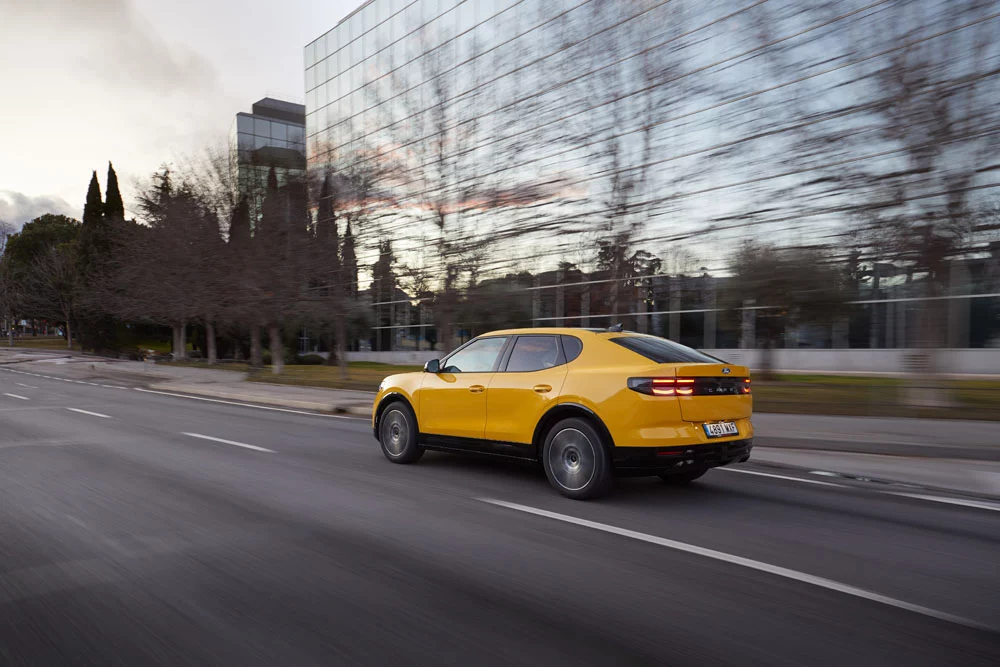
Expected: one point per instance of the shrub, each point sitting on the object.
(311, 360)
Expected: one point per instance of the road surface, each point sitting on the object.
(143, 528)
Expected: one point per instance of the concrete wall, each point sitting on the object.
(882, 362)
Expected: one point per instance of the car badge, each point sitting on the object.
(726, 371)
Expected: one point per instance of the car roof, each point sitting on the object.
(571, 331)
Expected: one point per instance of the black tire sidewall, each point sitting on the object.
(600, 481)
(413, 450)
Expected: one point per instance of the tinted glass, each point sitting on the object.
(663, 351)
(534, 353)
(572, 346)
(476, 357)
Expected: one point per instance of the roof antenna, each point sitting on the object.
(617, 328)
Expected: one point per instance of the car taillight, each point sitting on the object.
(702, 386)
(662, 386)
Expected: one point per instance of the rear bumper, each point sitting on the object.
(655, 460)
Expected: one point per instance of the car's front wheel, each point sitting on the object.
(575, 460)
(397, 433)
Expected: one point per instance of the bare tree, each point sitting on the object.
(52, 286)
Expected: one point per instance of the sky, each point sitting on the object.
(139, 83)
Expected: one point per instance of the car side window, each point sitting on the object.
(479, 356)
(534, 353)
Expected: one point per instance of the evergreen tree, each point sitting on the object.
(93, 209)
(239, 225)
(114, 207)
(270, 210)
(349, 262)
(91, 230)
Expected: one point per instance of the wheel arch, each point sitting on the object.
(564, 411)
(385, 401)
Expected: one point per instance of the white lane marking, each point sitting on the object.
(247, 405)
(824, 473)
(88, 412)
(26, 386)
(23, 398)
(777, 570)
(229, 442)
(964, 502)
(788, 477)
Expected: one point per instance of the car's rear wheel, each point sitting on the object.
(576, 460)
(685, 477)
(397, 433)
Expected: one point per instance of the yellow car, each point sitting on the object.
(589, 404)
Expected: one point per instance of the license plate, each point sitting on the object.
(720, 429)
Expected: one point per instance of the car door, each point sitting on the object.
(453, 401)
(526, 386)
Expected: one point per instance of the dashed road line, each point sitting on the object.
(23, 398)
(88, 412)
(230, 442)
(26, 386)
(749, 563)
(788, 477)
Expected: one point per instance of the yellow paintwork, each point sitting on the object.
(509, 408)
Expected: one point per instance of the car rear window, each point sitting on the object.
(663, 351)
(572, 346)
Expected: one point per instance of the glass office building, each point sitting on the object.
(524, 121)
(272, 135)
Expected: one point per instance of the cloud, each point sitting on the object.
(110, 40)
(19, 208)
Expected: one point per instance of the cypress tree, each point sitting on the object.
(93, 209)
(239, 225)
(270, 209)
(114, 207)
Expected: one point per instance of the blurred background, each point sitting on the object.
(806, 188)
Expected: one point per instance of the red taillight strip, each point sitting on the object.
(687, 386)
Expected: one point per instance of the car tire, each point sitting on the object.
(685, 477)
(397, 433)
(576, 460)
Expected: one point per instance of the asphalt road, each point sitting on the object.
(139, 528)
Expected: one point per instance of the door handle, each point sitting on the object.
(477, 389)
(542, 388)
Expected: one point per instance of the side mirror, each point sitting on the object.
(433, 366)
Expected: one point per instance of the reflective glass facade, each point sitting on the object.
(273, 135)
(527, 123)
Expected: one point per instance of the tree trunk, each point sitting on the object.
(256, 351)
(210, 348)
(69, 335)
(277, 349)
(332, 347)
(180, 341)
(341, 347)
(767, 360)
